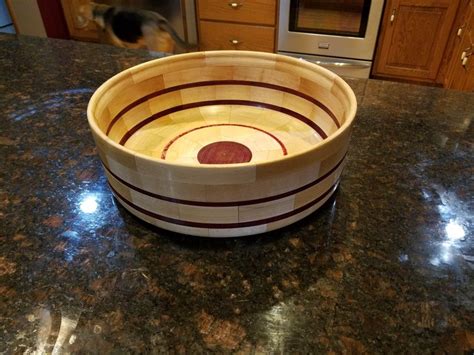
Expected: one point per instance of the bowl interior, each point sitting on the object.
(222, 108)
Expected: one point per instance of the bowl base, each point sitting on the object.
(226, 230)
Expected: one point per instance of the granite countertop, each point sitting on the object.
(386, 266)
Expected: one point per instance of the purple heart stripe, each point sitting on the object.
(176, 221)
(178, 108)
(229, 203)
(263, 221)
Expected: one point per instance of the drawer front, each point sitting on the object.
(262, 12)
(221, 36)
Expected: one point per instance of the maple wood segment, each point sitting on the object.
(224, 143)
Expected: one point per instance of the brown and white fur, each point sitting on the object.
(135, 28)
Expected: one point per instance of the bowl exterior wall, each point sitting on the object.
(235, 201)
(223, 200)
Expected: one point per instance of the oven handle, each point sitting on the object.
(340, 64)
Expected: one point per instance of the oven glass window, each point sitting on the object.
(333, 17)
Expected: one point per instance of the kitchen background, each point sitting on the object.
(427, 42)
(6, 23)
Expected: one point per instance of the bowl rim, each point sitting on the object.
(93, 101)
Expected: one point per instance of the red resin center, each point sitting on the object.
(224, 153)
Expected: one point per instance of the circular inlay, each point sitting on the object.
(224, 152)
(185, 146)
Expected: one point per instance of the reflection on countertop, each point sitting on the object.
(386, 266)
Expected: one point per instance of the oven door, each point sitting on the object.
(347, 68)
(336, 28)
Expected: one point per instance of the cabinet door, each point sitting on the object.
(79, 27)
(413, 38)
(460, 74)
(459, 71)
(454, 40)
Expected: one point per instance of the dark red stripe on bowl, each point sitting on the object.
(226, 225)
(222, 82)
(229, 203)
(170, 143)
(178, 108)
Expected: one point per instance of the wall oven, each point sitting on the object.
(337, 34)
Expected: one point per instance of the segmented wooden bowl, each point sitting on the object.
(225, 143)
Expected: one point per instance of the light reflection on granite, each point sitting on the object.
(386, 267)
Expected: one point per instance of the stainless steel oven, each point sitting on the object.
(337, 34)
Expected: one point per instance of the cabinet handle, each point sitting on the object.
(466, 53)
(234, 41)
(392, 18)
(235, 5)
(464, 61)
(460, 30)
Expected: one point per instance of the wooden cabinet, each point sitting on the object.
(239, 24)
(79, 27)
(460, 68)
(413, 38)
(249, 11)
(216, 35)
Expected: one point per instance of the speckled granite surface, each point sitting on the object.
(386, 267)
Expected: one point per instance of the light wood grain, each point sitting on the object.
(156, 173)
